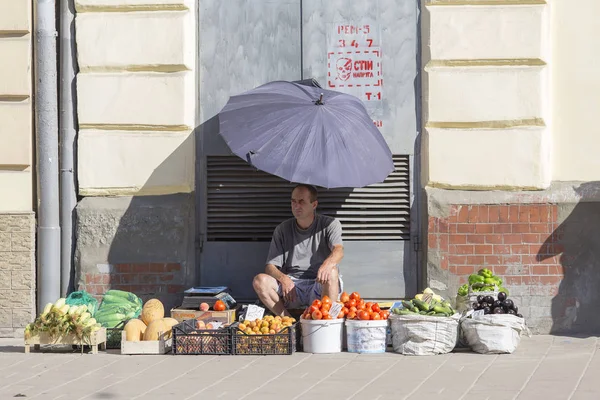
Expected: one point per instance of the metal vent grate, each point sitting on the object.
(246, 205)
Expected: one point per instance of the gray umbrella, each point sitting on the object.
(306, 134)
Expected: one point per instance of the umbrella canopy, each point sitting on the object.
(306, 134)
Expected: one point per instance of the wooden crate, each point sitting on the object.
(96, 340)
(160, 346)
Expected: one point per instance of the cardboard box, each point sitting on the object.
(226, 317)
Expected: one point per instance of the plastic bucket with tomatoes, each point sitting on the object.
(322, 336)
(366, 336)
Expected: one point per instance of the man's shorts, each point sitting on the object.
(307, 290)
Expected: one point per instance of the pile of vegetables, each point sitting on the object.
(426, 303)
(483, 281)
(151, 324)
(60, 319)
(500, 305)
(118, 306)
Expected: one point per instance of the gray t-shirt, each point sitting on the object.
(299, 253)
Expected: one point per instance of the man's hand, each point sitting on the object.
(324, 272)
(288, 288)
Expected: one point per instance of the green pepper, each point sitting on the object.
(474, 278)
(463, 290)
(498, 281)
(490, 281)
(486, 273)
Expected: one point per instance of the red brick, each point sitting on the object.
(551, 260)
(465, 269)
(484, 249)
(129, 278)
(494, 214)
(146, 289)
(530, 238)
(457, 260)
(148, 278)
(519, 249)
(484, 228)
(115, 279)
(431, 224)
(475, 239)
(545, 213)
(443, 226)
(494, 239)
(520, 228)
(475, 260)
(463, 249)
(493, 260)
(452, 228)
(513, 213)
(465, 228)
(550, 280)
(556, 270)
(484, 215)
(534, 214)
(175, 288)
(535, 249)
(511, 259)
(513, 238)
(166, 278)
(458, 239)
(140, 268)
(443, 242)
(499, 270)
(503, 214)
(501, 249)
(123, 268)
(453, 217)
(444, 263)
(126, 288)
(463, 214)
(502, 228)
(539, 270)
(554, 213)
(524, 214)
(157, 268)
(473, 214)
(540, 228)
(452, 269)
(558, 248)
(432, 241)
(172, 267)
(462, 279)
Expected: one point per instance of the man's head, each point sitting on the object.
(304, 201)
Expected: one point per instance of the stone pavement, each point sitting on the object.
(543, 367)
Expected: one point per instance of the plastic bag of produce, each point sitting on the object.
(493, 333)
(422, 335)
(118, 306)
(83, 298)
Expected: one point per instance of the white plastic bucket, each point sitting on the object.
(322, 336)
(367, 336)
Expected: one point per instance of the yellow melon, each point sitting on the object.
(152, 310)
(169, 323)
(154, 329)
(134, 330)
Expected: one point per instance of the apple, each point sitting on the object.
(204, 307)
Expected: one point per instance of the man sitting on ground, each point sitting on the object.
(303, 259)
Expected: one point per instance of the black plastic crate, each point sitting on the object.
(113, 335)
(281, 343)
(187, 339)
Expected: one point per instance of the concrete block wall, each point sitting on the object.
(17, 220)
(136, 101)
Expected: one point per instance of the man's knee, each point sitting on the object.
(262, 282)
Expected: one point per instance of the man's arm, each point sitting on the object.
(288, 288)
(275, 272)
(330, 263)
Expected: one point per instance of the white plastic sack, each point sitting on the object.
(493, 333)
(423, 335)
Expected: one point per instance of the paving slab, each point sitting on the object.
(543, 367)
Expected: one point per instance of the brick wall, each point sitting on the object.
(521, 243)
(17, 273)
(147, 280)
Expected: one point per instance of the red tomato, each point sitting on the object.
(325, 300)
(345, 310)
(351, 303)
(341, 315)
(355, 296)
(326, 307)
(312, 309)
(327, 316)
(219, 306)
(353, 309)
(384, 314)
(317, 315)
(363, 315)
(375, 307)
(375, 316)
(351, 315)
(317, 303)
(344, 297)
